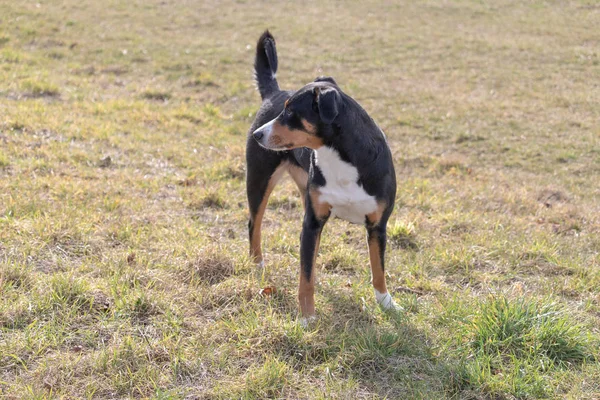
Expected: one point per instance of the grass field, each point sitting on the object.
(123, 245)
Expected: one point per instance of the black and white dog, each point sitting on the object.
(336, 154)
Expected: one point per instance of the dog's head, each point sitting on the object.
(304, 117)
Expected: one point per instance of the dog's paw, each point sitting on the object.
(305, 322)
(261, 264)
(386, 302)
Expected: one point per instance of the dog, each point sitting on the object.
(336, 154)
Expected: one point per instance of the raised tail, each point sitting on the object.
(265, 65)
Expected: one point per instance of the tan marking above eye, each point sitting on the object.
(310, 128)
(286, 103)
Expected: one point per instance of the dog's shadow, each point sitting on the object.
(380, 351)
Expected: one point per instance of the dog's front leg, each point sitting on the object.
(376, 237)
(314, 219)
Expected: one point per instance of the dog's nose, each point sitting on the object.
(258, 134)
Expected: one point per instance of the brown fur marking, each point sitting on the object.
(374, 217)
(310, 128)
(321, 209)
(293, 138)
(306, 295)
(306, 289)
(377, 265)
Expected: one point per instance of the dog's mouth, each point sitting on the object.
(266, 138)
(287, 147)
(275, 144)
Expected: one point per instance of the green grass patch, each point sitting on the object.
(513, 345)
(403, 235)
(526, 329)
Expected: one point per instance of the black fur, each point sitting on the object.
(340, 123)
(265, 65)
(328, 103)
(343, 125)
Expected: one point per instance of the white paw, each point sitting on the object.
(306, 321)
(385, 301)
(261, 264)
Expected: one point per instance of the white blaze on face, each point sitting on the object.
(267, 130)
(348, 199)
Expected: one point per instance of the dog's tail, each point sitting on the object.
(265, 65)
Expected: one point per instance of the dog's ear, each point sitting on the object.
(328, 103)
(326, 79)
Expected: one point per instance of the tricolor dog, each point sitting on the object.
(336, 154)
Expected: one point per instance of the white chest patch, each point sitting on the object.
(348, 199)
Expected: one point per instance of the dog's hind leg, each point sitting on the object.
(259, 185)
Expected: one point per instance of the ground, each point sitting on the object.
(123, 245)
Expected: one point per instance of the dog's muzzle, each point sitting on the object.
(262, 134)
